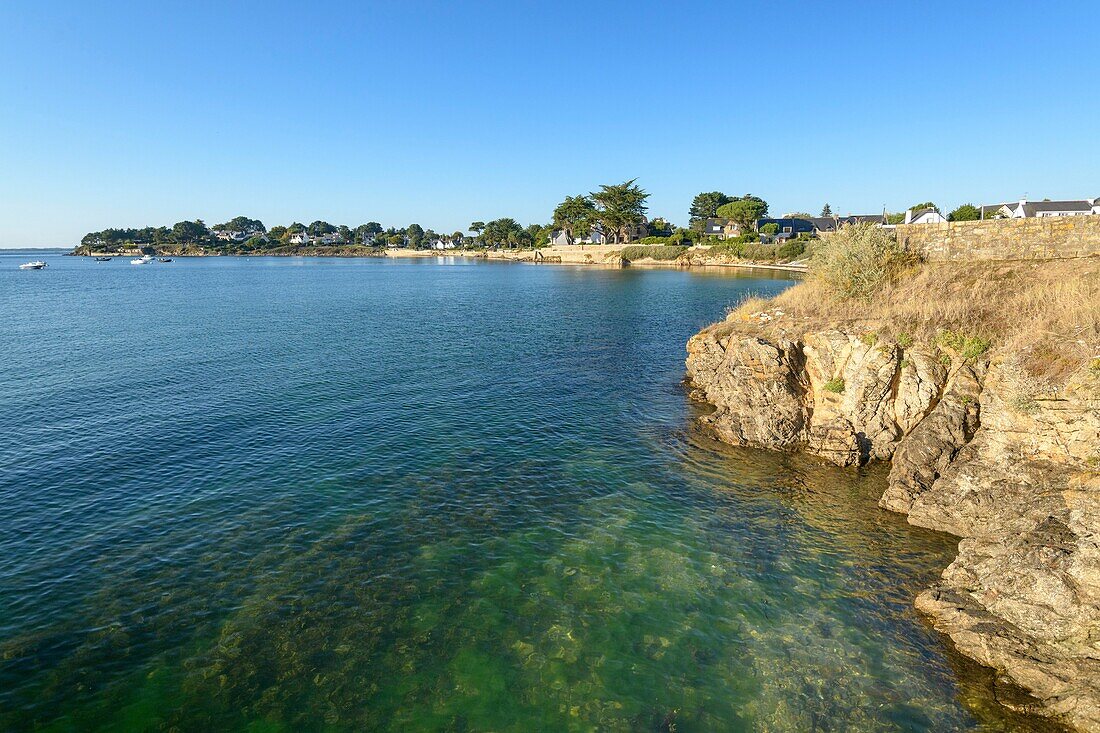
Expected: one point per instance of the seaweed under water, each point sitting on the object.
(480, 506)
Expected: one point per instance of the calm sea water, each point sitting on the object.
(298, 494)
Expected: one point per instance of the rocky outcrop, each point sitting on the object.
(1014, 475)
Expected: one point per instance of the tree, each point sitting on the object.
(364, 234)
(575, 216)
(925, 205)
(682, 236)
(189, 231)
(319, 228)
(619, 208)
(705, 206)
(504, 232)
(240, 224)
(477, 227)
(542, 237)
(660, 227)
(345, 233)
(744, 211)
(415, 233)
(966, 212)
(277, 232)
(826, 210)
(797, 215)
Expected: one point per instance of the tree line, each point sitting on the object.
(616, 213)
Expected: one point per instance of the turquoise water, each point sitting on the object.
(297, 494)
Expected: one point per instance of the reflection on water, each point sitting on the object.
(483, 507)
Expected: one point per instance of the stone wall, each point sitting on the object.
(1044, 238)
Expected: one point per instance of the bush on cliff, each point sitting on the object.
(653, 252)
(858, 261)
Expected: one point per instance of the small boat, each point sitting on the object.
(145, 260)
(102, 259)
(36, 265)
(164, 259)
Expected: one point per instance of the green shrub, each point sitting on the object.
(758, 251)
(835, 385)
(858, 261)
(792, 250)
(656, 252)
(965, 345)
(1094, 366)
(869, 339)
(769, 228)
(905, 340)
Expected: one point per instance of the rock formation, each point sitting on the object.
(1015, 475)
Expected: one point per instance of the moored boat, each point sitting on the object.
(164, 259)
(102, 259)
(36, 265)
(144, 260)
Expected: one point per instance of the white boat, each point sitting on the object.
(145, 260)
(36, 265)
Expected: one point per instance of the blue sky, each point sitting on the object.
(131, 114)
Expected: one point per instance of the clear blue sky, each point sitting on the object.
(132, 114)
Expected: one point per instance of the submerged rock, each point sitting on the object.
(1018, 481)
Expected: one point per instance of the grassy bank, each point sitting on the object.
(1042, 316)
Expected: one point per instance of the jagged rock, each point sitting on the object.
(1016, 476)
(832, 394)
(932, 444)
(756, 390)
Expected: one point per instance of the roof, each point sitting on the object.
(794, 222)
(1033, 207)
(921, 212)
(823, 223)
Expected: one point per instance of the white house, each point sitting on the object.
(299, 238)
(1025, 209)
(923, 216)
(559, 239)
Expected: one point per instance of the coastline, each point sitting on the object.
(588, 255)
(974, 450)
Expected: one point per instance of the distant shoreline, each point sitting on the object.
(589, 255)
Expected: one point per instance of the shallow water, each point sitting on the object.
(298, 494)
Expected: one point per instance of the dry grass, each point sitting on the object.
(1045, 314)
